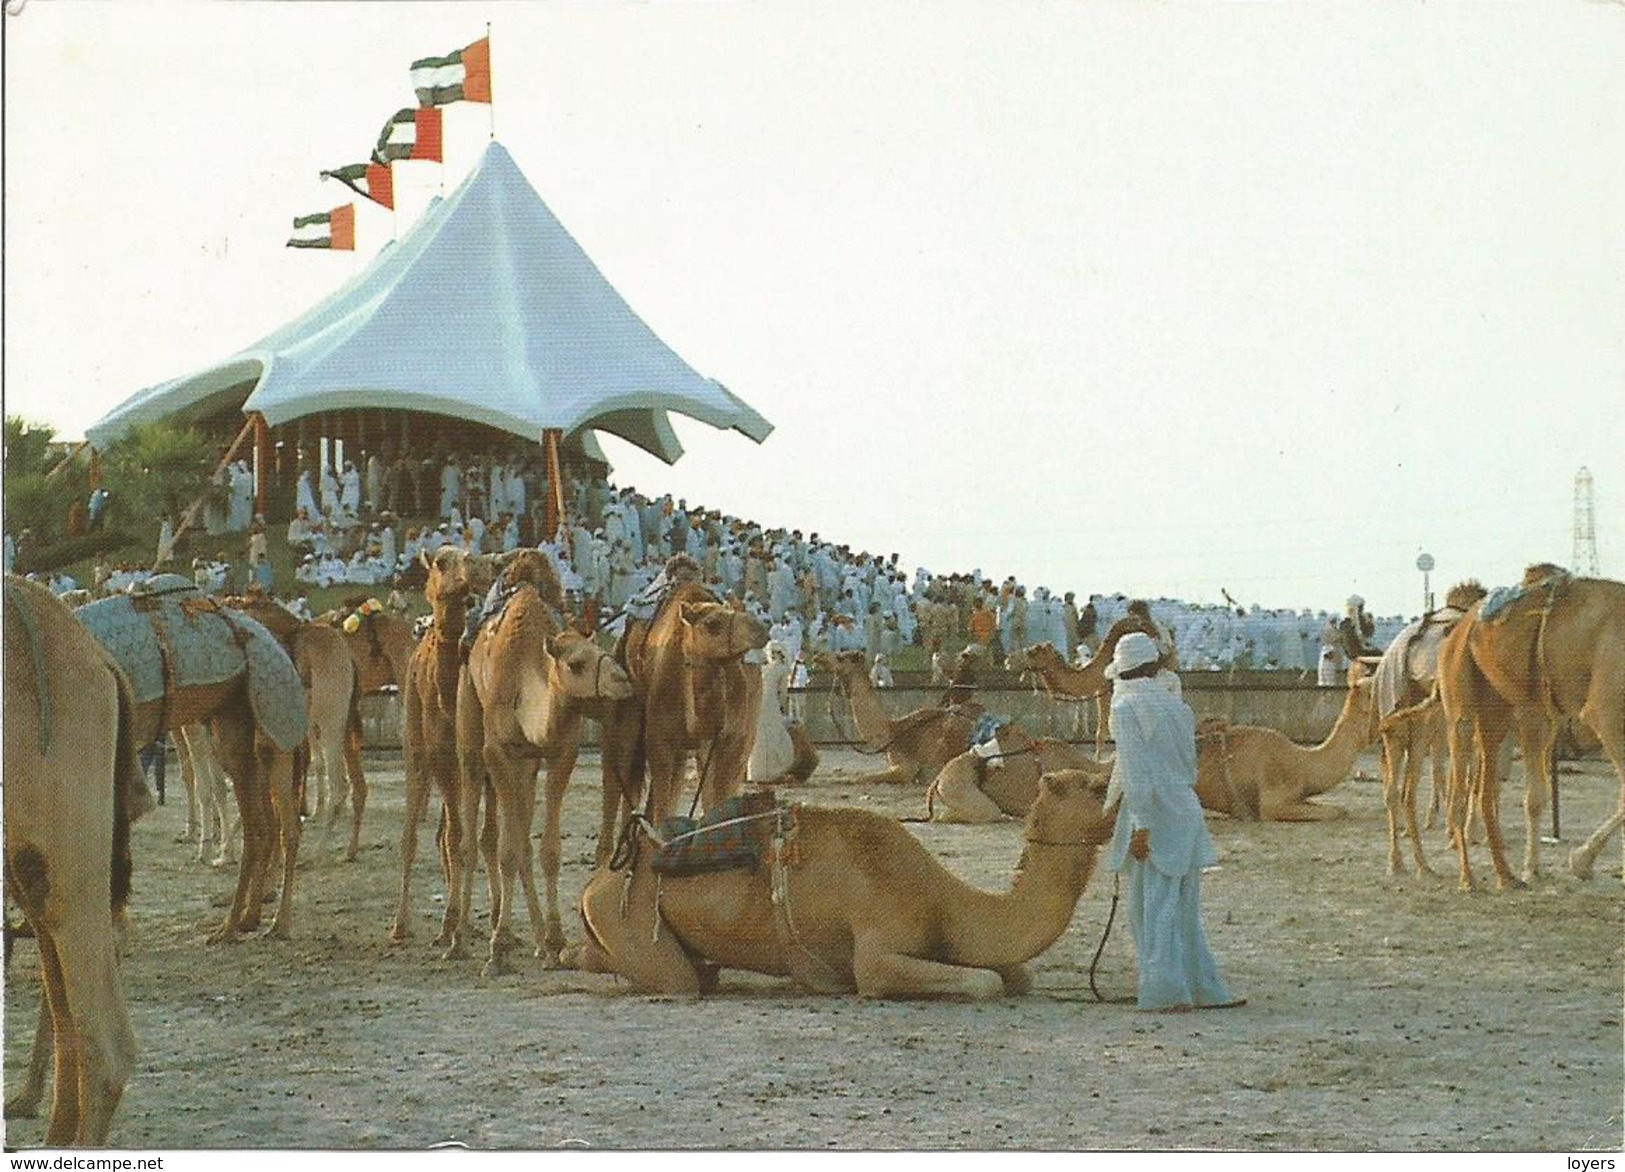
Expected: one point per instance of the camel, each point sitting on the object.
(72, 787)
(333, 686)
(1411, 729)
(1553, 653)
(1252, 772)
(429, 705)
(380, 643)
(973, 788)
(256, 715)
(208, 811)
(694, 697)
(1089, 680)
(848, 900)
(529, 681)
(917, 744)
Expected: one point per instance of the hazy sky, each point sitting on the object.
(1154, 298)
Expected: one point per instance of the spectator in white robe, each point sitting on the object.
(880, 673)
(305, 496)
(350, 491)
(375, 482)
(242, 497)
(330, 496)
(517, 496)
(166, 541)
(450, 487)
(773, 753)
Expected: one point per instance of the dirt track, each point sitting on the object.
(1386, 1014)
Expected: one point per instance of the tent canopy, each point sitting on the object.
(486, 310)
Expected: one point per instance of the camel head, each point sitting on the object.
(456, 574)
(1361, 702)
(1068, 810)
(584, 670)
(534, 567)
(716, 632)
(1463, 594)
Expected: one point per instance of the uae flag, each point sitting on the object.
(463, 76)
(410, 134)
(372, 180)
(334, 229)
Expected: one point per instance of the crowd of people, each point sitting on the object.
(815, 594)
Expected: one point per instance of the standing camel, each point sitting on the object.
(1090, 679)
(380, 643)
(1554, 652)
(189, 659)
(917, 744)
(694, 697)
(530, 679)
(1411, 728)
(333, 689)
(429, 703)
(72, 787)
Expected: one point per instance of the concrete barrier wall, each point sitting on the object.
(1303, 712)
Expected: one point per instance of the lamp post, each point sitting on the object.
(1424, 562)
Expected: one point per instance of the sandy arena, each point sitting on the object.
(1386, 1014)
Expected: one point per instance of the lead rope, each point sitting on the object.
(1105, 935)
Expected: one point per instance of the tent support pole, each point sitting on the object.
(553, 515)
(262, 463)
(191, 509)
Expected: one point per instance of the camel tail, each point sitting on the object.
(130, 797)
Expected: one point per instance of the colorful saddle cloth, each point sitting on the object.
(730, 836)
(171, 634)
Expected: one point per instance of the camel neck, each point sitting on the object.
(996, 931)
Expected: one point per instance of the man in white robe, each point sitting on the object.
(1161, 839)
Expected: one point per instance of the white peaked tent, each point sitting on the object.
(487, 310)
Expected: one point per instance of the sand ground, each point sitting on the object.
(1386, 1013)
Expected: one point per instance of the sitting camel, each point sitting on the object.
(429, 702)
(846, 900)
(917, 744)
(695, 698)
(530, 679)
(1554, 652)
(1252, 772)
(72, 787)
(1412, 729)
(974, 788)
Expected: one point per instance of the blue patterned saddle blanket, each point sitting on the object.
(203, 643)
(722, 839)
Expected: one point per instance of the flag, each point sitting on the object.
(372, 180)
(410, 134)
(334, 229)
(463, 76)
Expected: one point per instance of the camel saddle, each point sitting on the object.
(171, 635)
(735, 834)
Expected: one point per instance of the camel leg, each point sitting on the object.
(560, 767)
(1604, 711)
(1462, 782)
(1537, 736)
(1492, 729)
(1298, 812)
(276, 772)
(1421, 745)
(234, 744)
(1018, 980)
(635, 942)
(882, 973)
(1392, 795)
(513, 778)
(896, 775)
(358, 791)
(88, 1006)
(24, 1103)
(66, 1045)
(417, 798)
(196, 826)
